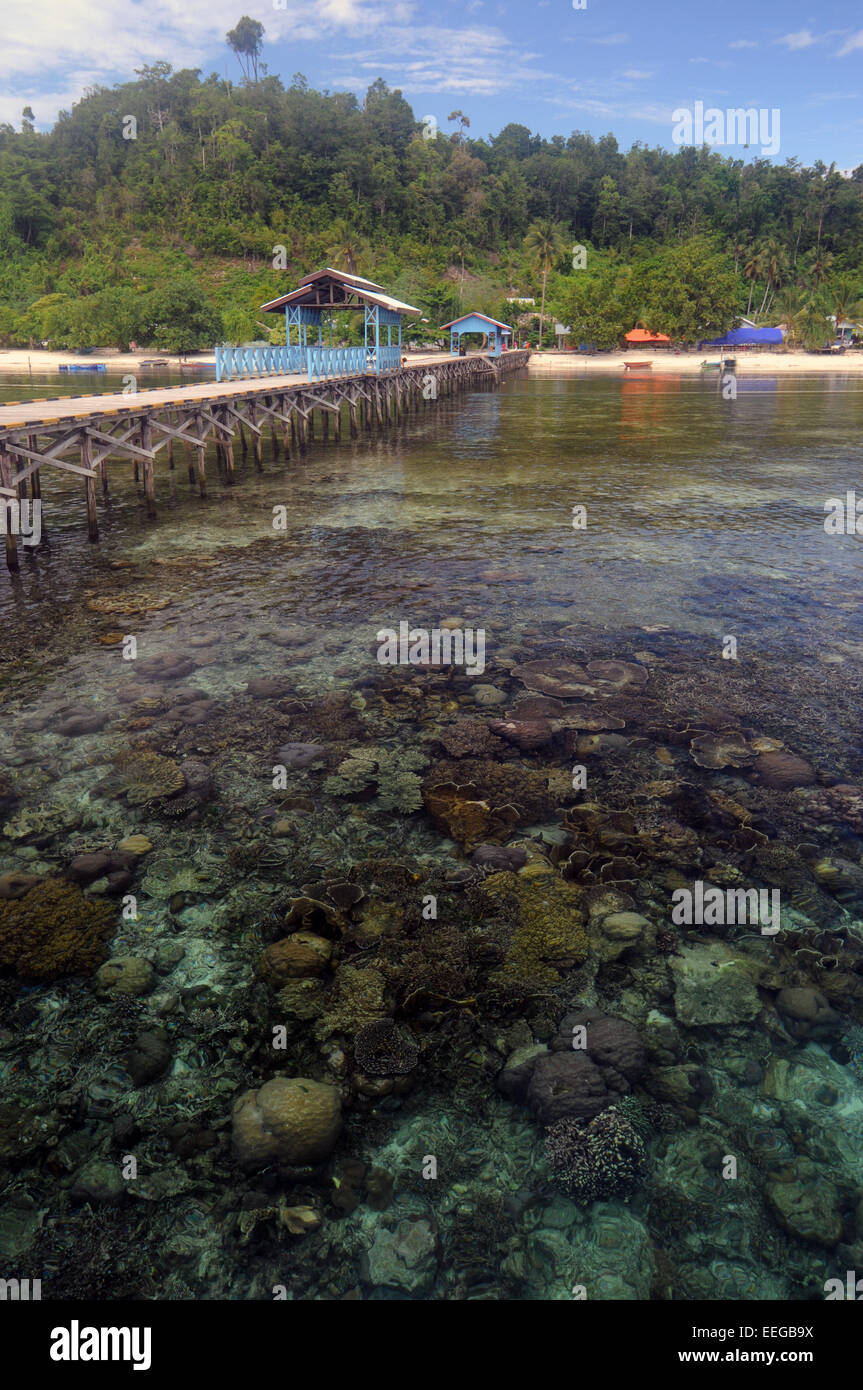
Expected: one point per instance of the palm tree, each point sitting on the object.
(820, 266)
(845, 300)
(786, 306)
(544, 244)
(774, 265)
(752, 270)
(346, 250)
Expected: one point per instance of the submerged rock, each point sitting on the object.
(806, 1203)
(125, 975)
(806, 1013)
(405, 1257)
(713, 986)
(499, 857)
(299, 755)
(149, 1057)
(292, 1121)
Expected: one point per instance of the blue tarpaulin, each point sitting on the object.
(746, 337)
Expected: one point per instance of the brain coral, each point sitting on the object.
(53, 930)
(548, 933)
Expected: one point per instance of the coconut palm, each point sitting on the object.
(346, 250)
(845, 300)
(753, 270)
(785, 306)
(820, 266)
(774, 266)
(544, 244)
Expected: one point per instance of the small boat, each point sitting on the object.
(711, 366)
(154, 362)
(637, 366)
(83, 367)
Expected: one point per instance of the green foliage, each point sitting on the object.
(688, 291)
(181, 319)
(596, 304)
(220, 174)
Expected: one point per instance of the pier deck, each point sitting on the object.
(135, 426)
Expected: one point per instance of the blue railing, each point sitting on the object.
(322, 362)
(237, 363)
(387, 359)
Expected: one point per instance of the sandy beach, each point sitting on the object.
(687, 363)
(38, 360)
(46, 360)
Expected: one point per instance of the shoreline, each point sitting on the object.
(689, 364)
(48, 360)
(35, 361)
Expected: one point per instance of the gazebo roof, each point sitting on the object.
(475, 315)
(335, 289)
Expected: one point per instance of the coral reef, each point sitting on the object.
(604, 1158)
(53, 930)
(384, 1049)
(392, 771)
(547, 915)
(291, 1121)
(142, 775)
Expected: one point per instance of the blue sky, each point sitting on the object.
(616, 65)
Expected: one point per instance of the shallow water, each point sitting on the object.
(704, 523)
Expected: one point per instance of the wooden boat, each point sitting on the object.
(711, 366)
(637, 366)
(154, 362)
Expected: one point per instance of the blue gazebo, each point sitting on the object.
(478, 323)
(317, 297)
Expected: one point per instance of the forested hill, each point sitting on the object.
(114, 228)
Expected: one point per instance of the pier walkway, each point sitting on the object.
(134, 426)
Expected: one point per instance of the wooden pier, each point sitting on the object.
(135, 427)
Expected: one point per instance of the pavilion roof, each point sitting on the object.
(335, 289)
(475, 315)
(641, 335)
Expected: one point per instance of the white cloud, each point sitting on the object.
(851, 45)
(743, 43)
(804, 38)
(53, 49)
(654, 112)
(476, 61)
(636, 74)
(612, 38)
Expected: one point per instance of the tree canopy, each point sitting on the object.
(175, 177)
